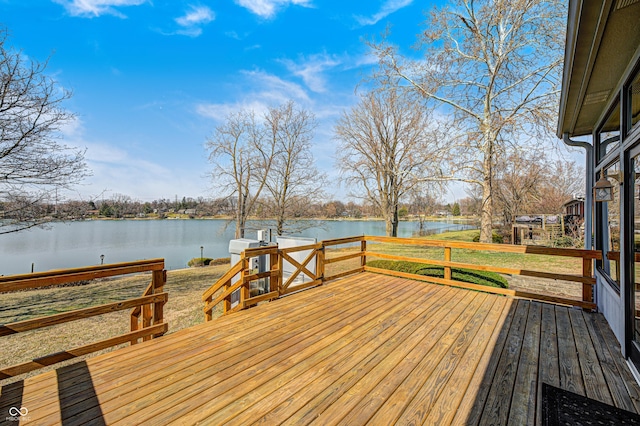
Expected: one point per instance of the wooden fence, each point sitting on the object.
(147, 320)
(239, 277)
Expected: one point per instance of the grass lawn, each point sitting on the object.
(490, 279)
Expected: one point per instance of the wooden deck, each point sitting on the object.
(365, 349)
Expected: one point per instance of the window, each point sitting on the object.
(611, 222)
(634, 95)
(636, 242)
(609, 134)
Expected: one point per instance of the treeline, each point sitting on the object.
(121, 206)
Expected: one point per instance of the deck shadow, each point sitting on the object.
(91, 411)
(545, 343)
(10, 396)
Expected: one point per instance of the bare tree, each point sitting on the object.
(384, 148)
(293, 182)
(423, 204)
(517, 184)
(243, 158)
(528, 183)
(494, 66)
(34, 166)
(470, 205)
(562, 180)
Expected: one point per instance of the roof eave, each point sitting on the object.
(575, 8)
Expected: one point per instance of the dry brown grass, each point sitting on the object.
(184, 309)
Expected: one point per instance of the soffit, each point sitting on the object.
(602, 38)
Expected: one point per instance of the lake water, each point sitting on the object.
(77, 244)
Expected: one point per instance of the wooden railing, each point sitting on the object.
(147, 320)
(586, 278)
(239, 279)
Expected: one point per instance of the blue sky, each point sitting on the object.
(152, 78)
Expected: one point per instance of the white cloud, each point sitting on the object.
(94, 8)
(365, 59)
(117, 170)
(268, 8)
(193, 21)
(264, 90)
(311, 70)
(274, 88)
(197, 15)
(219, 112)
(387, 8)
(234, 35)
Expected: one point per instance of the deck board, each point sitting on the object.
(397, 386)
(496, 408)
(339, 381)
(549, 364)
(621, 366)
(462, 379)
(474, 400)
(523, 402)
(613, 378)
(570, 374)
(206, 382)
(367, 349)
(322, 375)
(418, 409)
(592, 374)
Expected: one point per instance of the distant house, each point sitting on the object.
(575, 207)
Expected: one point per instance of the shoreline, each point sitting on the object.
(80, 243)
(448, 219)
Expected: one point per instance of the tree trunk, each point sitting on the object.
(486, 214)
(391, 222)
(388, 218)
(241, 216)
(280, 225)
(388, 222)
(395, 221)
(239, 228)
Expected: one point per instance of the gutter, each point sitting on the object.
(589, 181)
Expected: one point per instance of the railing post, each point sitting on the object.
(159, 279)
(447, 258)
(587, 271)
(322, 252)
(226, 304)
(320, 263)
(276, 275)
(208, 316)
(363, 250)
(147, 318)
(135, 323)
(244, 289)
(145, 310)
(280, 272)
